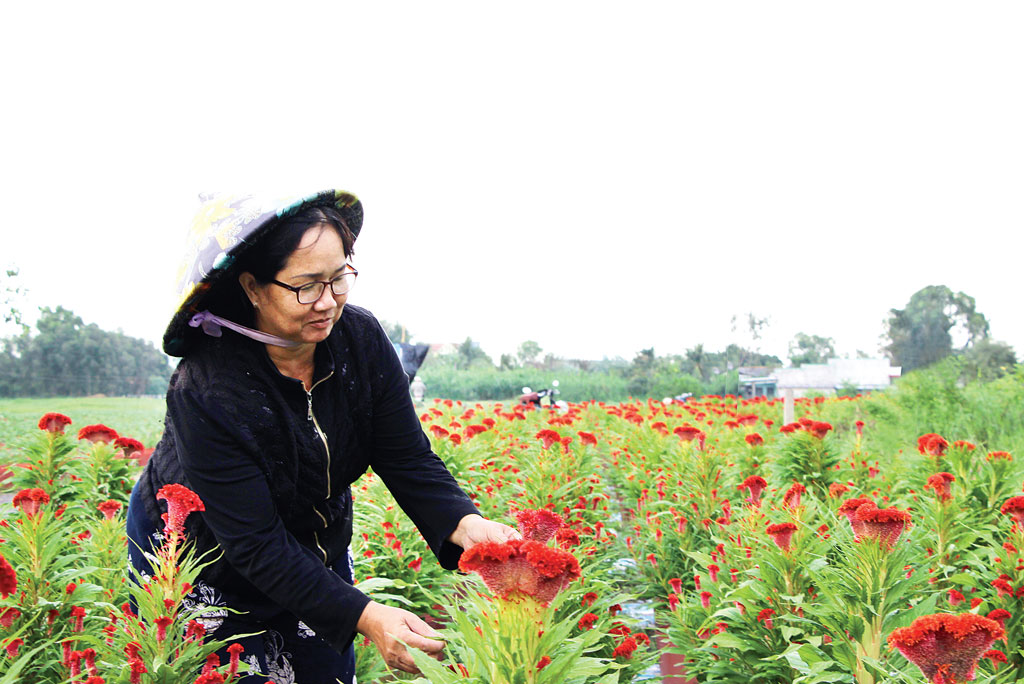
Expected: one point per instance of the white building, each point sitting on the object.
(826, 378)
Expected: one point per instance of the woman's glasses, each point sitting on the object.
(311, 292)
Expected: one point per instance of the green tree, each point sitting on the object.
(528, 352)
(806, 348)
(9, 293)
(469, 354)
(68, 358)
(988, 360)
(919, 334)
(396, 332)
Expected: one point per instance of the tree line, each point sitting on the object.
(935, 324)
(65, 357)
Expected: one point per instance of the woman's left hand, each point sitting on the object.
(474, 529)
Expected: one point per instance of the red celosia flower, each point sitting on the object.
(137, 668)
(859, 425)
(210, 678)
(1002, 587)
(705, 599)
(754, 439)
(955, 597)
(687, 433)
(997, 657)
(12, 647)
(54, 422)
(539, 525)
(673, 601)
(837, 489)
(755, 484)
(8, 579)
(543, 662)
(194, 631)
(945, 646)
(932, 444)
(587, 439)
(999, 615)
(181, 501)
(29, 500)
(790, 428)
(521, 566)
(625, 649)
(588, 599)
(567, 537)
(234, 650)
(998, 456)
(548, 437)
(966, 446)
(8, 616)
(416, 563)
(782, 534)
(587, 621)
(1014, 507)
(765, 616)
(438, 431)
(849, 509)
(109, 508)
(939, 482)
(676, 584)
(614, 609)
(713, 572)
(97, 434)
(129, 446)
(791, 499)
(819, 428)
(884, 524)
(78, 616)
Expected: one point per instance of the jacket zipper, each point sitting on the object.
(311, 418)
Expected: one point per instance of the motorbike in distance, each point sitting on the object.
(536, 398)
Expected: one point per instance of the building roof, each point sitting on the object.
(860, 373)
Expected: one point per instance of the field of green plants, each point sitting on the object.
(874, 539)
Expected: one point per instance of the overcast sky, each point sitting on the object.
(597, 177)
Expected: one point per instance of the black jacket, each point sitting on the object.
(273, 464)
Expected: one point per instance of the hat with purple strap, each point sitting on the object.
(224, 228)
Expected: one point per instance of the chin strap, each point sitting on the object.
(211, 325)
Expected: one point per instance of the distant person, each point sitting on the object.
(272, 422)
(419, 389)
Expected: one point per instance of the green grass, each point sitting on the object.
(141, 419)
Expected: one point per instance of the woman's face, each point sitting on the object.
(319, 256)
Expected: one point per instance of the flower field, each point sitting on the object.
(704, 541)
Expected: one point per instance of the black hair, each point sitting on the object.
(265, 259)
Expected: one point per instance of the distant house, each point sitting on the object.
(864, 375)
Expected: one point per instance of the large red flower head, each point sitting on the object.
(945, 646)
(849, 509)
(932, 445)
(587, 439)
(98, 434)
(754, 439)
(818, 428)
(29, 500)
(687, 433)
(8, 578)
(1014, 507)
(754, 484)
(884, 524)
(129, 446)
(109, 508)
(548, 437)
(940, 483)
(538, 525)
(180, 502)
(782, 534)
(521, 567)
(54, 422)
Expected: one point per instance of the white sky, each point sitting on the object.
(597, 177)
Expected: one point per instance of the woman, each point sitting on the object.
(270, 423)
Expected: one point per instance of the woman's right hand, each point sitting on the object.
(385, 626)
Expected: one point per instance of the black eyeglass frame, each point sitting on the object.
(323, 286)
